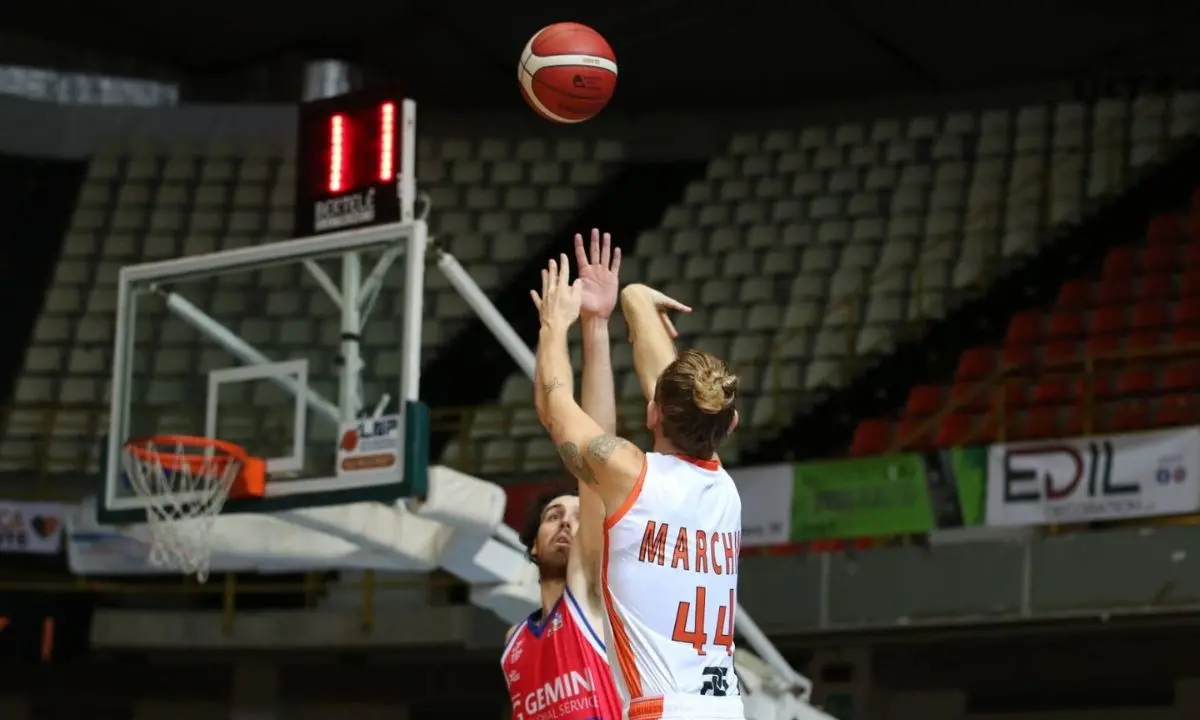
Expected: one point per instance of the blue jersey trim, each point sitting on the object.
(584, 619)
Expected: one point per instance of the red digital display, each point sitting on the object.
(387, 141)
(337, 154)
(348, 150)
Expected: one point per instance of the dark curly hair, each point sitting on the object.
(533, 517)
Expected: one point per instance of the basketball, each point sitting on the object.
(567, 72)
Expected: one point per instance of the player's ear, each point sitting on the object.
(653, 415)
(736, 417)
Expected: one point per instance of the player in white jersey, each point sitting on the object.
(672, 515)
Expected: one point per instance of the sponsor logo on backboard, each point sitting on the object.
(368, 445)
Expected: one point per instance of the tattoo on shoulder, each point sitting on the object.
(552, 385)
(603, 447)
(573, 459)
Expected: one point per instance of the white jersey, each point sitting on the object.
(670, 590)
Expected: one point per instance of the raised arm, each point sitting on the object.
(597, 458)
(651, 332)
(599, 265)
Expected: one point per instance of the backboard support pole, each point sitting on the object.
(350, 375)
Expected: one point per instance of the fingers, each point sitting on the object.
(594, 257)
(670, 326)
(670, 302)
(537, 300)
(545, 281)
(580, 254)
(605, 249)
(616, 261)
(564, 271)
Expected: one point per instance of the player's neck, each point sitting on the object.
(552, 590)
(665, 447)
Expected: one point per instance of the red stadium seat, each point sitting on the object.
(1177, 410)
(1193, 221)
(924, 400)
(913, 434)
(1066, 324)
(1164, 230)
(871, 437)
(975, 363)
(1051, 391)
(1115, 290)
(1184, 337)
(1191, 254)
(1156, 288)
(1126, 416)
(1159, 258)
(1102, 345)
(1017, 356)
(955, 429)
(1074, 295)
(1061, 351)
(1139, 381)
(1150, 316)
(1071, 422)
(969, 396)
(1120, 262)
(1097, 385)
(1144, 341)
(1025, 328)
(1107, 320)
(1187, 312)
(1181, 377)
(1189, 284)
(1038, 423)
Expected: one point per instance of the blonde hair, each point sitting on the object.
(695, 394)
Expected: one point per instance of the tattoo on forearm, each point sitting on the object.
(573, 459)
(551, 385)
(602, 447)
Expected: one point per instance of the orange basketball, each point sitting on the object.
(567, 72)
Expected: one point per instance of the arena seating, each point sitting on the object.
(494, 202)
(808, 252)
(1113, 354)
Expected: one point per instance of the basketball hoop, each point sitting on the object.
(185, 482)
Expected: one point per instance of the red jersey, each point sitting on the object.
(556, 668)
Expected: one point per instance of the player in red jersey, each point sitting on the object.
(554, 661)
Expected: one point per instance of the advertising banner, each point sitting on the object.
(32, 527)
(1095, 478)
(896, 494)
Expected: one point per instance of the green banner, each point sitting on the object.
(897, 494)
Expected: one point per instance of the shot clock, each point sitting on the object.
(355, 162)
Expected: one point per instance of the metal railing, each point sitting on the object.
(312, 588)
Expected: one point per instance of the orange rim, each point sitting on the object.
(174, 460)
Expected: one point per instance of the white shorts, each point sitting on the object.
(686, 707)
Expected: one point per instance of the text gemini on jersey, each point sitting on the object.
(703, 551)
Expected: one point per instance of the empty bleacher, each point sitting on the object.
(1116, 353)
(808, 253)
(494, 203)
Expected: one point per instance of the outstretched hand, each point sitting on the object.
(662, 303)
(559, 302)
(599, 266)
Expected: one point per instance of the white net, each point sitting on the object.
(183, 498)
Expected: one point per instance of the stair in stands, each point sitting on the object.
(829, 425)
(470, 369)
(39, 195)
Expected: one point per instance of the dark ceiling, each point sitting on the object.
(671, 53)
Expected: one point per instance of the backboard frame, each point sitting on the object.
(409, 236)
